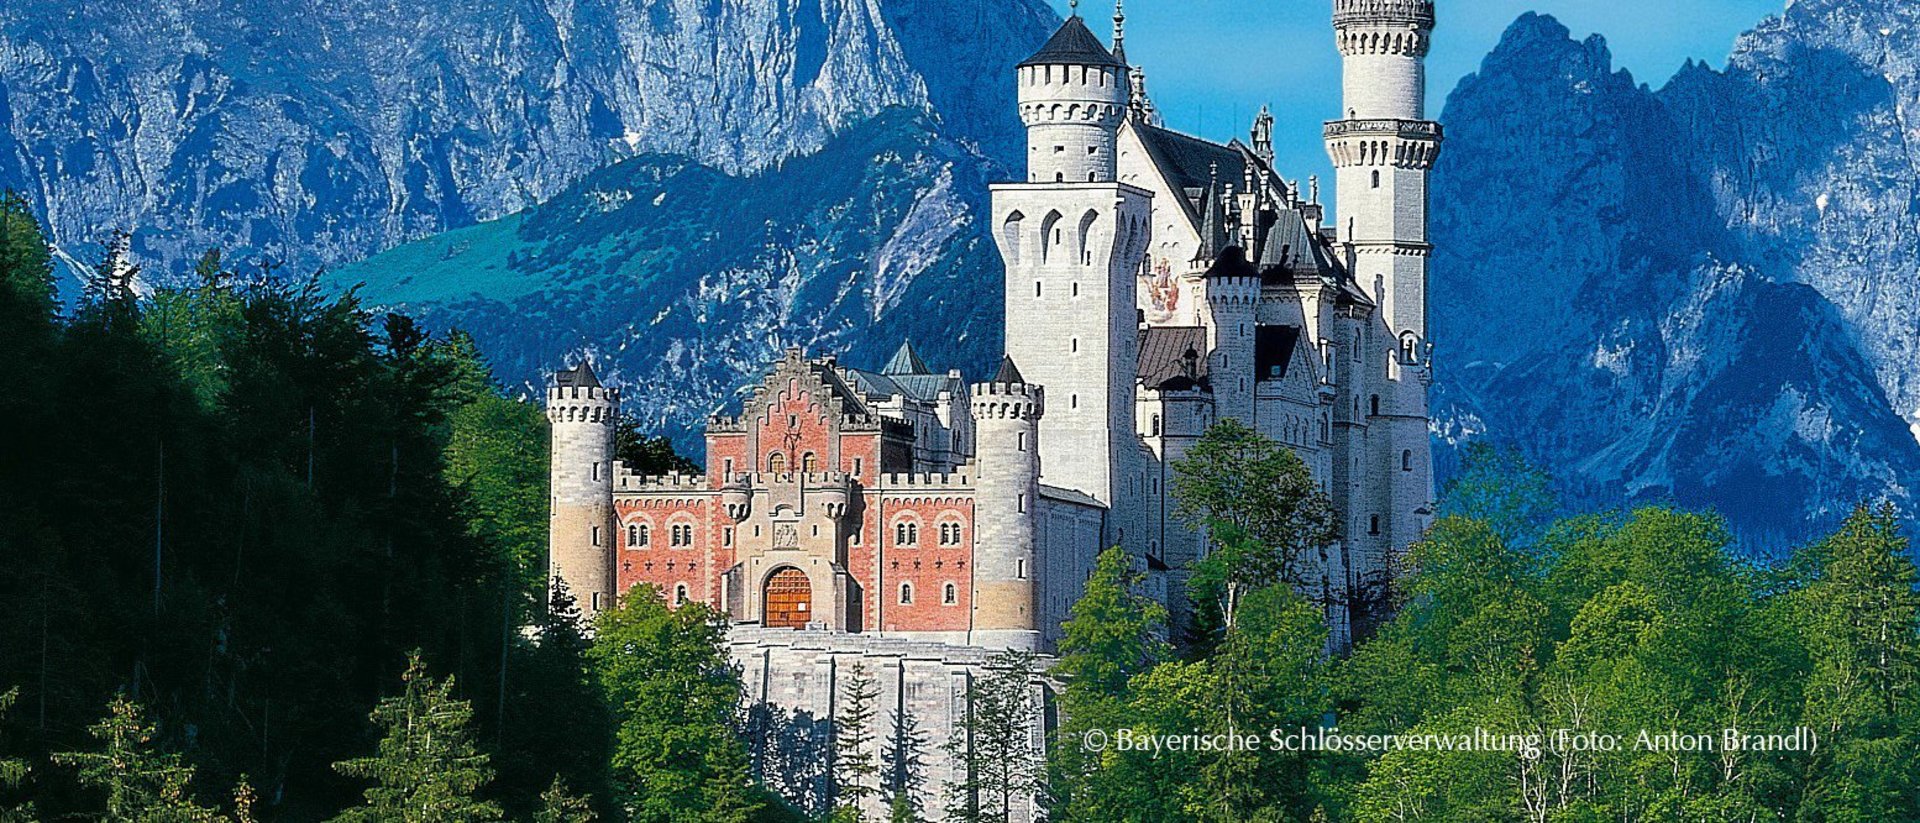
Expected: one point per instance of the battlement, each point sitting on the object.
(1407, 144)
(626, 481)
(1002, 401)
(1363, 12)
(926, 481)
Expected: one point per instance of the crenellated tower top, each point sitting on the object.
(1415, 13)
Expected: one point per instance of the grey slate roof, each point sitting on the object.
(1164, 360)
(905, 361)
(1009, 373)
(578, 377)
(1073, 45)
(1232, 262)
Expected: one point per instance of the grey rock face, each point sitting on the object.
(316, 134)
(1716, 302)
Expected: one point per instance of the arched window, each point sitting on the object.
(906, 594)
(1050, 236)
(1011, 236)
(950, 594)
(1410, 347)
(776, 463)
(906, 533)
(680, 595)
(1406, 460)
(1155, 431)
(810, 463)
(636, 535)
(1376, 178)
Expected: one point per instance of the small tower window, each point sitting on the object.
(906, 594)
(1020, 441)
(680, 595)
(1373, 524)
(1155, 430)
(727, 473)
(596, 471)
(1406, 460)
(596, 535)
(1020, 568)
(1374, 405)
(1376, 178)
(1059, 177)
(950, 594)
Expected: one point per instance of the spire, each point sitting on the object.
(1120, 31)
(906, 361)
(1213, 222)
(1009, 374)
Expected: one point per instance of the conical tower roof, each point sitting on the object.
(1073, 45)
(1009, 373)
(578, 377)
(906, 361)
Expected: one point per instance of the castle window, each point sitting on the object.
(596, 471)
(1373, 524)
(1059, 149)
(1073, 401)
(906, 534)
(949, 534)
(810, 463)
(1059, 177)
(1091, 178)
(1406, 460)
(726, 536)
(950, 595)
(680, 535)
(1020, 568)
(1374, 405)
(858, 464)
(680, 595)
(596, 601)
(637, 535)
(727, 473)
(1155, 431)
(1075, 345)
(1076, 288)
(1376, 179)
(1409, 347)
(1020, 441)
(906, 594)
(1022, 504)
(776, 463)
(596, 535)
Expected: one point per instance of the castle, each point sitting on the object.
(1155, 283)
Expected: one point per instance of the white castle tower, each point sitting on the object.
(1006, 413)
(582, 413)
(1072, 238)
(1382, 152)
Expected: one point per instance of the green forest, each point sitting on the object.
(272, 555)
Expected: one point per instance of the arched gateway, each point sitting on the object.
(788, 603)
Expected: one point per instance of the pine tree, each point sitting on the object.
(854, 765)
(905, 757)
(142, 785)
(13, 773)
(992, 749)
(557, 805)
(428, 769)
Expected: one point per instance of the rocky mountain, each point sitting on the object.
(1716, 301)
(317, 134)
(681, 280)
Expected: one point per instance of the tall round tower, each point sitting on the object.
(1383, 149)
(582, 413)
(1006, 415)
(1073, 95)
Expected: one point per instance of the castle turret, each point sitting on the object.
(1232, 287)
(1382, 152)
(1006, 413)
(1073, 94)
(1072, 239)
(582, 413)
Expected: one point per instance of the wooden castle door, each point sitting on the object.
(789, 600)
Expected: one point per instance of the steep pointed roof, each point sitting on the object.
(1213, 224)
(1232, 262)
(905, 361)
(1009, 373)
(578, 377)
(1073, 45)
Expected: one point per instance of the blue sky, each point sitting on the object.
(1211, 63)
